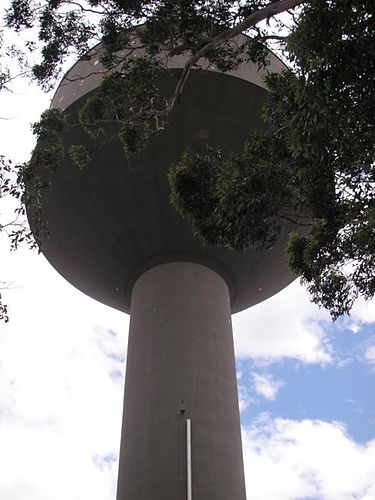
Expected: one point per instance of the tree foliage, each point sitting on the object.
(12, 223)
(316, 159)
(313, 166)
(37, 175)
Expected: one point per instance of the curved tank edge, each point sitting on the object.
(93, 73)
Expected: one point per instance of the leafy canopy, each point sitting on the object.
(313, 166)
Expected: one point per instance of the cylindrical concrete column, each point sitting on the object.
(180, 366)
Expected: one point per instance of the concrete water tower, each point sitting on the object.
(114, 235)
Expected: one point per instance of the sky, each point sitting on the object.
(306, 386)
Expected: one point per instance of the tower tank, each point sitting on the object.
(114, 235)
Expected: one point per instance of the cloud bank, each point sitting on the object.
(287, 325)
(307, 459)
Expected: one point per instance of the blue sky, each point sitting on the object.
(340, 391)
(308, 414)
(306, 386)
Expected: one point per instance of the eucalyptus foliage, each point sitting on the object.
(13, 225)
(316, 159)
(37, 175)
(312, 167)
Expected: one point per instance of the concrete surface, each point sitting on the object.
(180, 365)
(112, 221)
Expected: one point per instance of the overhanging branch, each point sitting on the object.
(251, 20)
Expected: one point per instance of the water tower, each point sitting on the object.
(115, 236)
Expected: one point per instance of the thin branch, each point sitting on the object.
(85, 9)
(119, 62)
(6, 80)
(293, 221)
(78, 78)
(291, 13)
(251, 20)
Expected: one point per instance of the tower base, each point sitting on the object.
(180, 368)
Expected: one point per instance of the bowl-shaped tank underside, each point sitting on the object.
(112, 221)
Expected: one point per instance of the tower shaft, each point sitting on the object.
(180, 367)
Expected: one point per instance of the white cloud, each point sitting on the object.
(355, 328)
(244, 398)
(266, 385)
(370, 355)
(293, 460)
(61, 376)
(363, 312)
(287, 325)
(40, 464)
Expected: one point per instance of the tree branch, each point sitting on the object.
(85, 9)
(251, 20)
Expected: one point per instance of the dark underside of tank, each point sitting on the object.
(112, 220)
